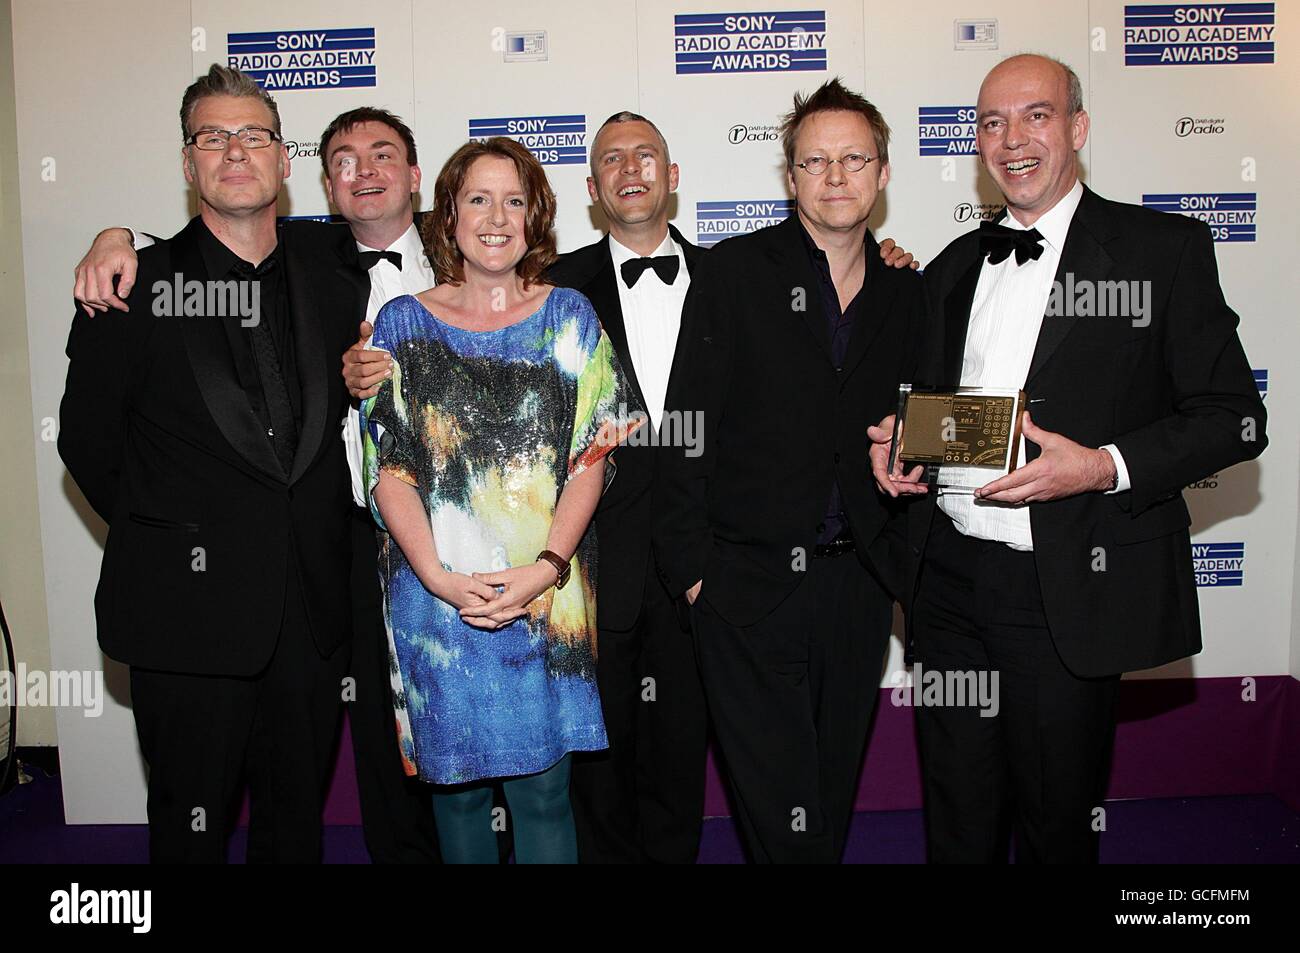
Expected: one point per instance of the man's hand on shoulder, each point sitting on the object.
(895, 256)
(110, 255)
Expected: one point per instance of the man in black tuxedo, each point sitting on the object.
(1076, 567)
(371, 171)
(204, 429)
(642, 799)
(791, 345)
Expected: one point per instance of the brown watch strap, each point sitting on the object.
(560, 565)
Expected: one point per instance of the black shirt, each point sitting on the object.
(840, 323)
(272, 289)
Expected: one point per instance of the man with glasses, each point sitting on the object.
(792, 337)
(203, 427)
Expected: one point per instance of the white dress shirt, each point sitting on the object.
(1005, 318)
(652, 316)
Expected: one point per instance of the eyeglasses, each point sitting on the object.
(853, 162)
(250, 137)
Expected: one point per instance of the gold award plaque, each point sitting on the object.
(975, 427)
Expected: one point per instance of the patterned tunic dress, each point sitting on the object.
(489, 426)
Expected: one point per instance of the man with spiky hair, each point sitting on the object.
(791, 345)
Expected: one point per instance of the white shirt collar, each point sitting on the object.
(621, 253)
(1054, 224)
(408, 245)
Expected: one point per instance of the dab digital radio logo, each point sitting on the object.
(1199, 34)
(946, 130)
(1230, 215)
(716, 221)
(305, 59)
(977, 211)
(554, 140)
(302, 148)
(1187, 126)
(742, 133)
(1219, 564)
(774, 42)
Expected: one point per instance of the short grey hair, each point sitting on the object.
(1074, 88)
(224, 81)
(626, 115)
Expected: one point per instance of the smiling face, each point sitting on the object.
(234, 181)
(370, 176)
(836, 201)
(491, 217)
(1026, 137)
(632, 178)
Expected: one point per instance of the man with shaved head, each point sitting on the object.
(1077, 566)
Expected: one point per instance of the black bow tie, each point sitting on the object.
(998, 241)
(665, 267)
(369, 259)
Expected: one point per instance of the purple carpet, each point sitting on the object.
(1243, 829)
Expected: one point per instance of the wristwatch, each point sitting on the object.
(561, 567)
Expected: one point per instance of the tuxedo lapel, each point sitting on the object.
(307, 306)
(877, 300)
(602, 291)
(956, 321)
(211, 343)
(690, 252)
(1083, 256)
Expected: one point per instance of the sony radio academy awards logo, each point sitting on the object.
(772, 42)
(1219, 564)
(1230, 215)
(305, 59)
(554, 140)
(1198, 34)
(946, 130)
(715, 221)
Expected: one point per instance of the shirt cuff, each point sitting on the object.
(138, 238)
(353, 450)
(1121, 471)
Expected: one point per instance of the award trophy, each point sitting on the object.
(964, 436)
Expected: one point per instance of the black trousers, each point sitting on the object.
(1039, 766)
(642, 799)
(396, 810)
(202, 735)
(791, 699)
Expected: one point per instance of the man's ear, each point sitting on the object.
(884, 176)
(187, 164)
(591, 190)
(415, 179)
(674, 175)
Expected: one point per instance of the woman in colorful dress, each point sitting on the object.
(485, 456)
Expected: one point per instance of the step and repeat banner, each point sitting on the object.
(1193, 109)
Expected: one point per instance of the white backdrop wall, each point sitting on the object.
(99, 83)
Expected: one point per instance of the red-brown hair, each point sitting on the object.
(438, 228)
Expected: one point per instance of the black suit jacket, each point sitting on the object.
(204, 525)
(1172, 396)
(780, 424)
(623, 518)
